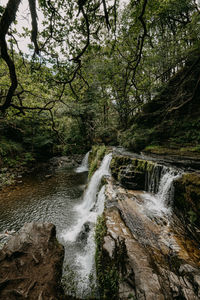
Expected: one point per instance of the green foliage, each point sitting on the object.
(100, 232)
(97, 155)
(6, 178)
(9, 147)
(120, 76)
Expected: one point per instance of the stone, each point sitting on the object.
(150, 259)
(31, 264)
(186, 199)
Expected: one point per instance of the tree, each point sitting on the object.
(69, 27)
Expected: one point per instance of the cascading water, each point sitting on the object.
(86, 259)
(84, 164)
(87, 212)
(162, 184)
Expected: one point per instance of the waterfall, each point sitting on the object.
(160, 188)
(87, 210)
(153, 179)
(84, 164)
(86, 259)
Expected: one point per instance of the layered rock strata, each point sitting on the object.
(145, 256)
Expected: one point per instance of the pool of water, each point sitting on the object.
(43, 199)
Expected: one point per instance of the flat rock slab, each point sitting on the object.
(31, 264)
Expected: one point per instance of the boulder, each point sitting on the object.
(31, 264)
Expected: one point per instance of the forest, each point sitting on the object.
(99, 72)
(100, 149)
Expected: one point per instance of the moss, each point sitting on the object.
(108, 269)
(187, 197)
(95, 158)
(120, 163)
(175, 150)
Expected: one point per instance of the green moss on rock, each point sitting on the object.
(109, 269)
(131, 172)
(187, 197)
(95, 158)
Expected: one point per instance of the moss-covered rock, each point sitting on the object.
(131, 172)
(95, 157)
(110, 261)
(187, 197)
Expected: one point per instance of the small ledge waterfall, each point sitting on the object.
(159, 185)
(84, 164)
(88, 209)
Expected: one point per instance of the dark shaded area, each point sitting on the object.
(171, 120)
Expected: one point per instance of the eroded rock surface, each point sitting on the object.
(160, 261)
(31, 264)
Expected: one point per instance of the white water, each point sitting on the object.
(159, 203)
(87, 212)
(84, 164)
(86, 259)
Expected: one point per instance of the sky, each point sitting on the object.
(24, 20)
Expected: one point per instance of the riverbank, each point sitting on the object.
(11, 176)
(144, 231)
(147, 239)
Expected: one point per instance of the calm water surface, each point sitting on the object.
(44, 199)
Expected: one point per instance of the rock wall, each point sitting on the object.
(141, 255)
(31, 264)
(131, 172)
(144, 258)
(187, 198)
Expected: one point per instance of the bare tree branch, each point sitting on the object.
(6, 20)
(34, 33)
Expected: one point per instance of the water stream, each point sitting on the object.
(84, 224)
(160, 189)
(84, 164)
(61, 199)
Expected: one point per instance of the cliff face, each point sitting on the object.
(31, 264)
(142, 254)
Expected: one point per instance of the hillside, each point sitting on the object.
(170, 123)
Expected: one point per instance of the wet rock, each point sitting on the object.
(131, 172)
(84, 232)
(31, 264)
(151, 260)
(109, 245)
(186, 199)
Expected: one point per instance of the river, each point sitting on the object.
(68, 200)
(42, 199)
